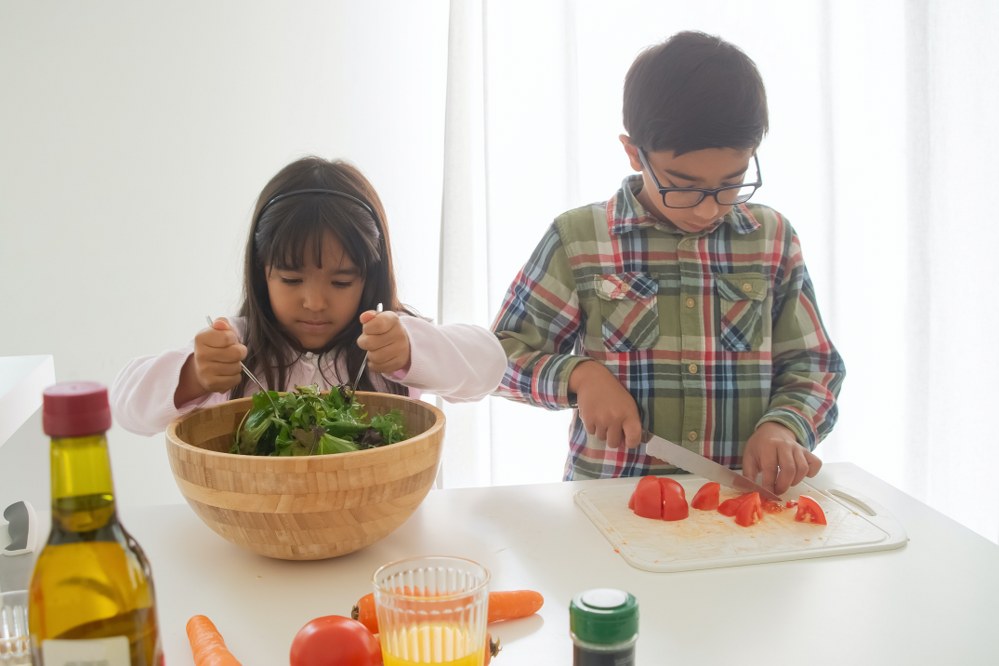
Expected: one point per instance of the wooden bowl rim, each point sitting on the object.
(431, 433)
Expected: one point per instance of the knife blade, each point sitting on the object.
(697, 464)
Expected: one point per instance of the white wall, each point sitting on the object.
(135, 137)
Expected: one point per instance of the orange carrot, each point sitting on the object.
(207, 645)
(503, 605)
(492, 648)
(513, 604)
(364, 612)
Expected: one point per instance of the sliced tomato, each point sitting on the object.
(674, 500)
(706, 497)
(773, 506)
(647, 500)
(750, 511)
(730, 506)
(809, 511)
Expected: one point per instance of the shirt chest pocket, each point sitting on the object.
(741, 298)
(628, 311)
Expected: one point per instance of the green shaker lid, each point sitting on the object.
(604, 616)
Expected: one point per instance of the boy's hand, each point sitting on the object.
(607, 410)
(774, 451)
(386, 341)
(214, 365)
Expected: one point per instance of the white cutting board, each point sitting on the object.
(707, 539)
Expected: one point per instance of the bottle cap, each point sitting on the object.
(75, 409)
(604, 616)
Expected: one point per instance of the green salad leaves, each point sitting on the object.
(307, 422)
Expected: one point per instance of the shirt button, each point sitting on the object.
(309, 356)
(692, 368)
(692, 435)
(689, 302)
(746, 287)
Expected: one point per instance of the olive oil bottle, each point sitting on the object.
(91, 598)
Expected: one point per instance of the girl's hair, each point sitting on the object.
(694, 91)
(305, 200)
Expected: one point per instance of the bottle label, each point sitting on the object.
(93, 652)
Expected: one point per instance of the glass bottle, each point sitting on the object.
(603, 623)
(91, 597)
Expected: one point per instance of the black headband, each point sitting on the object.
(318, 190)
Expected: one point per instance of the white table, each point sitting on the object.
(22, 380)
(934, 601)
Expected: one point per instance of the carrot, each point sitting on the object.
(492, 648)
(207, 645)
(503, 605)
(513, 604)
(364, 612)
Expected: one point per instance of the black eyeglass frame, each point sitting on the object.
(663, 191)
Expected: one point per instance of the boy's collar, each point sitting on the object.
(628, 213)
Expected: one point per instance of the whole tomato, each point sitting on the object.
(334, 640)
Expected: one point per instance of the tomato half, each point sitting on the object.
(647, 500)
(809, 511)
(674, 500)
(706, 497)
(334, 640)
(750, 510)
(730, 506)
(660, 498)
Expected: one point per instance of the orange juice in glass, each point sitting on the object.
(432, 610)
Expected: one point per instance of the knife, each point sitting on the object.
(697, 464)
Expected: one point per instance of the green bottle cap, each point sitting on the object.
(604, 616)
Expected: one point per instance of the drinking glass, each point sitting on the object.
(432, 610)
(14, 643)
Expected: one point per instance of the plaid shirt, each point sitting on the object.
(711, 333)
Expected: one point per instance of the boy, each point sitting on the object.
(676, 307)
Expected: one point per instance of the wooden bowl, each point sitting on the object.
(304, 507)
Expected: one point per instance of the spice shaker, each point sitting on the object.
(603, 623)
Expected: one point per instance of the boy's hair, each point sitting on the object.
(694, 91)
(289, 230)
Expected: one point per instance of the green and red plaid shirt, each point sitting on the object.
(711, 333)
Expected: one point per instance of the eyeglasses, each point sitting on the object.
(689, 197)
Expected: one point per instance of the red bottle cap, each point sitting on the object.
(75, 409)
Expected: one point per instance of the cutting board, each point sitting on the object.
(707, 539)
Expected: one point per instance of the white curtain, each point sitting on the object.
(881, 153)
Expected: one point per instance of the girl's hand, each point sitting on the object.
(774, 451)
(386, 341)
(607, 410)
(214, 365)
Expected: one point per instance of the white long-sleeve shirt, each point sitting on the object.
(458, 362)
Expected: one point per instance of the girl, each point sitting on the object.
(317, 263)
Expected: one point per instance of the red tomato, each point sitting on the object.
(750, 510)
(706, 498)
(674, 500)
(334, 640)
(647, 500)
(773, 506)
(809, 511)
(730, 506)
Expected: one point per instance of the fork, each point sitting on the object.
(364, 363)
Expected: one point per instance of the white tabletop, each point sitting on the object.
(932, 601)
(22, 380)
